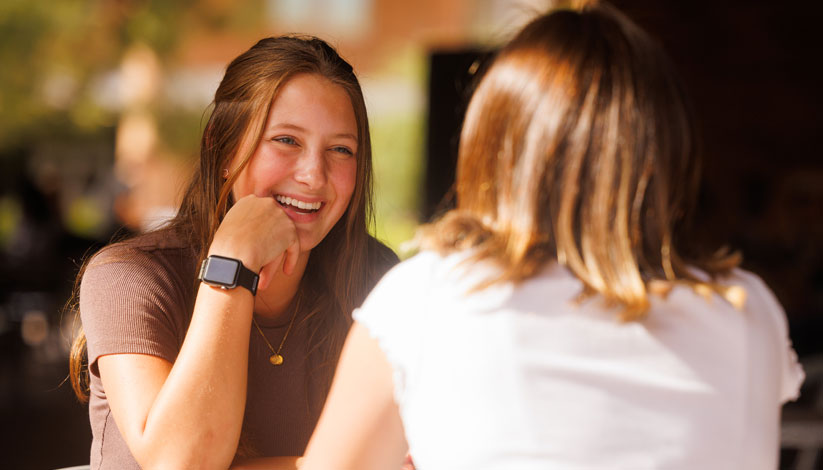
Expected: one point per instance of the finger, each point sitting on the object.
(267, 274)
(291, 254)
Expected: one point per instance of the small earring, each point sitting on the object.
(225, 173)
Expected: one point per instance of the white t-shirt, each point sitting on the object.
(528, 377)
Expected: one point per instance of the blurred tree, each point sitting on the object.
(56, 55)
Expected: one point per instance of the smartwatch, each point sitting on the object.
(227, 273)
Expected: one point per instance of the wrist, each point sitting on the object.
(227, 273)
(246, 257)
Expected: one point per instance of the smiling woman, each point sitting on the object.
(214, 338)
(305, 158)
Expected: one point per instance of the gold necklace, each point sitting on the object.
(276, 358)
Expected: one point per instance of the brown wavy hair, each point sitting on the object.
(579, 146)
(347, 263)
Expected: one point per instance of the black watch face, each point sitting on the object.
(222, 271)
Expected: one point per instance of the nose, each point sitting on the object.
(311, 169)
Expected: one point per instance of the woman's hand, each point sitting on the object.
(258, 232)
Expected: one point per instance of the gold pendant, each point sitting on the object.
(276, 359)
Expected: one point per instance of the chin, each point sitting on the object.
(309, 242)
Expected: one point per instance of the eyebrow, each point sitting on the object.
(286, 125)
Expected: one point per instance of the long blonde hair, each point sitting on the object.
(579, 146)
(346, 264)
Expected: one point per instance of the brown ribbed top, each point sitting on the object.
(137, 297)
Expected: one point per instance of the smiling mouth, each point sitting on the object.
(298, 205)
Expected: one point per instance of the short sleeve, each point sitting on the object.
(393, 314)
(131, 302)
(793, 377)
(761, 297)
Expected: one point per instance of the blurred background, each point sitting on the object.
(102, 104)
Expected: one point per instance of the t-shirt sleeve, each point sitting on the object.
(791, 374)
(393, 314)
(129, 303)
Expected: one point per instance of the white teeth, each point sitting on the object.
(298, 204)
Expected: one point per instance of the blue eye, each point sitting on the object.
(343, 150)
(285, 140)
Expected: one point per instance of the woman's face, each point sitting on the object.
(306, 156)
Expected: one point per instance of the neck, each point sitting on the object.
(273, 302)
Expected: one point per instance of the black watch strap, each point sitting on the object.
(227, 273)
(248, 279)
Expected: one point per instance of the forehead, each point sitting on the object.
(314, 103)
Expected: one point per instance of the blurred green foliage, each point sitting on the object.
(398, 135)
(398, 170)
(41, 41)
(53, 53)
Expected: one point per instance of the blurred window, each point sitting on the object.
(348, 17)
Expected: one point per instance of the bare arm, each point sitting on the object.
(189, 414)
(360, 427)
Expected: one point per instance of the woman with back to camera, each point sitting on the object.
(189, 352)
(561, 316)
